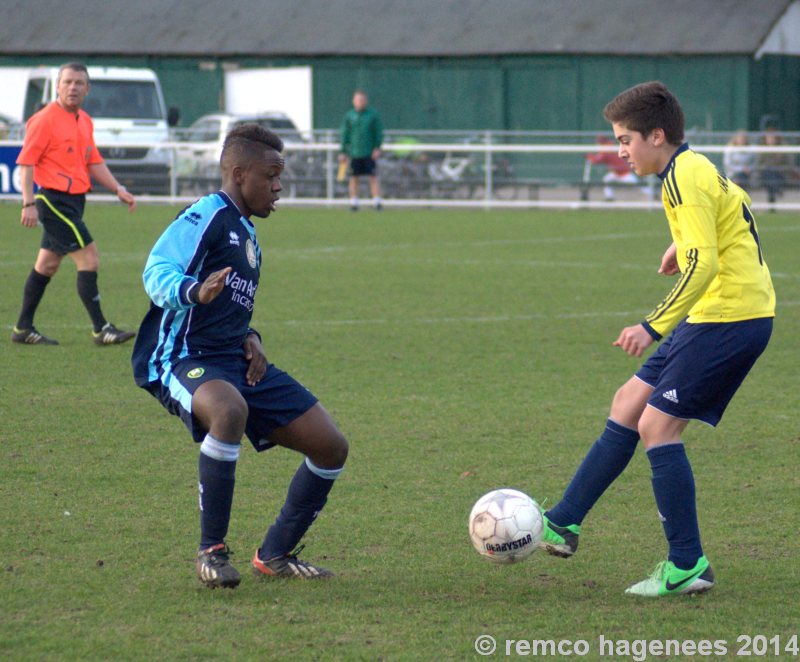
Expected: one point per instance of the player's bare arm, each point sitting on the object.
(212, 286)
(669, 262)
(254, 353)
(103, 176)
(30, 215)
(634, 340)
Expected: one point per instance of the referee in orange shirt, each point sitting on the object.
(59, 154)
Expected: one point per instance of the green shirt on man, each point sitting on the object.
(361, 132)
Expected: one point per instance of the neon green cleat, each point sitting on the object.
(666, 579)
(560, 540)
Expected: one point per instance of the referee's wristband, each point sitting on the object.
(29, 204)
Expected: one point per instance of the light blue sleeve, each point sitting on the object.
(172, 267)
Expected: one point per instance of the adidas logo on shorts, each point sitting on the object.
(671, 395)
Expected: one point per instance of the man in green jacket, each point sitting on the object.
(362, 136)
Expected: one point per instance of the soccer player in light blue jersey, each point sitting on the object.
(715, 323)
(197, 354)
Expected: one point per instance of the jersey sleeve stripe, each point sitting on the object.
(671, 187)
(676, 291)
(156, 358)
(670, 194)
(174, 259)
(675, 184)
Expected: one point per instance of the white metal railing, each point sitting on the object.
(464, 169)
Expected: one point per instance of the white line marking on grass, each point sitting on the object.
(467, 319)
(611, 236)
(456, 262)
(486, 319)
(141, 258)
(449, 243)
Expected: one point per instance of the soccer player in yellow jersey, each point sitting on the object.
(716, 322)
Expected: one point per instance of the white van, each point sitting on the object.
(127, 108)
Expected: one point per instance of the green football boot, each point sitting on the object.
(560, 540)
(666, 579)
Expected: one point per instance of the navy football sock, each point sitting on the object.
(31, 296)
(673, 486)
(604, 462)
(307, 495)
(90, 295)
(217, 479)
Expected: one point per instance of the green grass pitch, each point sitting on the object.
(459, 351)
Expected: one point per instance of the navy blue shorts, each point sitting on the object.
(365, 166)
(273, 403)
(698, 368)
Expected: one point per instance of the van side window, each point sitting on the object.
(34, 96)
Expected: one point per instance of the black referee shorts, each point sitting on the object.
(61, 214)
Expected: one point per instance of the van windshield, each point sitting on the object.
(128, 99)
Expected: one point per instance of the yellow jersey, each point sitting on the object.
(724, 277)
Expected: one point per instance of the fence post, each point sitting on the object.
(487, 166)
(173, 175)
(329, 176)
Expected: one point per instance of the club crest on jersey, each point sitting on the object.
(234, 238)
(195, 373)
(250, 249)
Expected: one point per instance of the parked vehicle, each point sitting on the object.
(9, 129)
(198, 164)
(129, 115)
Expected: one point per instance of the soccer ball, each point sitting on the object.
(506, 526)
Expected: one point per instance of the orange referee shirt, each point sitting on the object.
(60, 147)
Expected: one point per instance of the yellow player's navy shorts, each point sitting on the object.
(698, 368)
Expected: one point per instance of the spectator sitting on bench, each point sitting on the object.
(739, 165)
(774, 167)
(618, 170)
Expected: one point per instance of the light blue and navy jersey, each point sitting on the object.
(208, 236)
